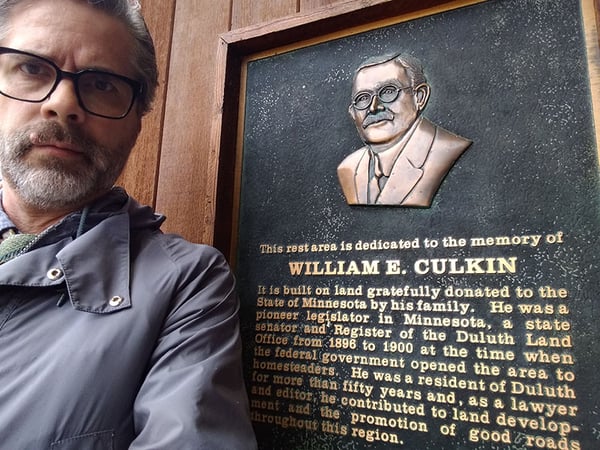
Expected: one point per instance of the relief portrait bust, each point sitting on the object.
(405, 157)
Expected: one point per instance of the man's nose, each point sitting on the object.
(375, 104)
(63, 103)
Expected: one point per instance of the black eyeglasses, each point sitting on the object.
(31, 78)
(386, 94)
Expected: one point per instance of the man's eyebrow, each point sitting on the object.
(379, 85)
(101, 69)
(52, 59)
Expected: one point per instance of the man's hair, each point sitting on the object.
(413, 67)
(129, 12)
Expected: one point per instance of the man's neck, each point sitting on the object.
(29, 219)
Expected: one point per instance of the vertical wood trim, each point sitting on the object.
(140, 176)
(225, 113)
(188, 164)
(591, 17)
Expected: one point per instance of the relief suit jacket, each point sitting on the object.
(123, 337)
(417, 173)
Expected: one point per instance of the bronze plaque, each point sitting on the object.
(468, 320)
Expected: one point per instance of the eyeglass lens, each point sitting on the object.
(386, 94)
(30, 78)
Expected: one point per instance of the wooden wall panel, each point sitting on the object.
(141, 174)
(186, 188)
(251, 12)
(307, 5)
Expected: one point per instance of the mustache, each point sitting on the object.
(372, 118)
(50, 132)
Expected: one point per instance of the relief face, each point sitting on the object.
(405, 157)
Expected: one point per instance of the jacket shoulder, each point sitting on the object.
(450, 142)
(351, 161)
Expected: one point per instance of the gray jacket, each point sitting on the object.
(122, 337)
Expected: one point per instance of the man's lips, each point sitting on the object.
(374, 122)
(55, 145)
(56, 152)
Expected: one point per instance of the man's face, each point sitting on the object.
(54, 154)
(384, 124)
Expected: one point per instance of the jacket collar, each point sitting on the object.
(407, 170)
(94, 281)
(408, 167)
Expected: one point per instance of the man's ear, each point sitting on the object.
(352, 112)
(422, 92)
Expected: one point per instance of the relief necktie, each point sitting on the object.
(375, 178)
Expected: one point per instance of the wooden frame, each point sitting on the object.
(237, 46)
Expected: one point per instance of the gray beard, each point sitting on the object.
(51, 183)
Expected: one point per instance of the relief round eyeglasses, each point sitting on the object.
(386, 94)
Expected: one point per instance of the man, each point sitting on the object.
(406, 157)
(112, 334)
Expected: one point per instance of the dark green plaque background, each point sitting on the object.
(509, 74)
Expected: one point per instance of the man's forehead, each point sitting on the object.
(378, 75)
(85, 36)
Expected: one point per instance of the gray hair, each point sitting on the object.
(413, 67)
(129, 12)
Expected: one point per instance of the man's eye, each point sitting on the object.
(362, 98)
(388, 90)
(103, 86)
(33, 68)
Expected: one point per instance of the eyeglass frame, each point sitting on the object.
(137, 88)
(377, 94)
